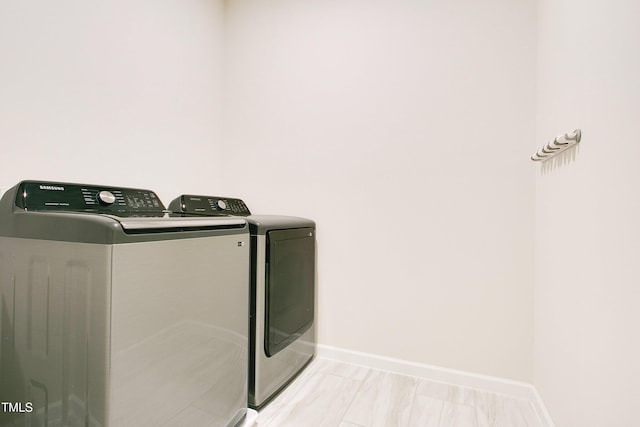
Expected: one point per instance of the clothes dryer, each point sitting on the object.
(282, 339)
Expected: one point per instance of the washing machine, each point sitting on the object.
(116, 313)
(282, 337)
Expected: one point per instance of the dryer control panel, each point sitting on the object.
(60, 196)
(208, 205)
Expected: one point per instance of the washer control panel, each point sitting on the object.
(43, 195)
(208, 205)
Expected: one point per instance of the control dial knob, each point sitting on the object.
(106, 197)
(222, 204)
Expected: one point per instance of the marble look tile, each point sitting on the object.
(485, 405)
(322, 401)
(435, 390)
(518, 413)
(462, 396)
(447, 392)
(426, 411)
(342, 369)
(494, 410)
(193, 416)
(384, 399)
(336, 394)
(457, 415)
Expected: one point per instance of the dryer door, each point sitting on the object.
(290, 286)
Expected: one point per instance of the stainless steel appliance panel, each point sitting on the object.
(138, 334)
(275, 372)
(55, 299)
(179, 347)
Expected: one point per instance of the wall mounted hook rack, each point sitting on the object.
(558, 145)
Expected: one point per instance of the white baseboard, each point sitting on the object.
(504, 386)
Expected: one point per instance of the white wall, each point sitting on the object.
(120, 92)
(404, 129)
(587, 345)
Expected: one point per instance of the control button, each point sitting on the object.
(222, 204)
(106, 197)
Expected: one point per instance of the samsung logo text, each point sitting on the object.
(51, 187)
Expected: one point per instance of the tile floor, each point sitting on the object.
(334, 394)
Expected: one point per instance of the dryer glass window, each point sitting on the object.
(289, 286)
